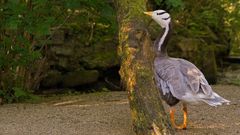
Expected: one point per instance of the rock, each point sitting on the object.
(58, 37)
(101, 56)
(81, 77)
(62, 50)
(71, 57)
(52, 80)
(63, 62)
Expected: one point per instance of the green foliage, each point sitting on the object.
(220, 22)
(17, 95)
(214, 21)
(95, 18)
(232, 22)
(27, 25)
(177, 4)
(22, 27)
(199, 19)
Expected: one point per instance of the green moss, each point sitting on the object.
(144, 73)
(140, 119)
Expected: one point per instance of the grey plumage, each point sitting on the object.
(184, 81)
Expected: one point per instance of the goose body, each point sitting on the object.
(182, 80)
(178, 79)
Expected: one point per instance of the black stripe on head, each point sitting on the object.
(161, 13)
(166, 18)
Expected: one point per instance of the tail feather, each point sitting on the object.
(215, 100)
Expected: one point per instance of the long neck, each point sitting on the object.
(162, 41)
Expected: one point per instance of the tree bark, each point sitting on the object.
(135, 51)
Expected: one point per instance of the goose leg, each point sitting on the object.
(184, 125)
(172, 111)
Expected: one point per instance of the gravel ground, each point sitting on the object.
(108, 114)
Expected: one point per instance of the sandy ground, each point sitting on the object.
(108, 114)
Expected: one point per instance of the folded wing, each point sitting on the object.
(185, 82)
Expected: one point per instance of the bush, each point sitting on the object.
(26, 27)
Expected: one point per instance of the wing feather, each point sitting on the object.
(179, 77)
(184, 81)
(194, 78)
(168, 77)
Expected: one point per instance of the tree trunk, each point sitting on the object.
(135, 50)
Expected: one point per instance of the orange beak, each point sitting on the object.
(148, 13)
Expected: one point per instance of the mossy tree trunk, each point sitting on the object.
(148, 115)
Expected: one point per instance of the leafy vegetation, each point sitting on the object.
(26, 27)
(213, 21)
(177, 4)
(232, 22)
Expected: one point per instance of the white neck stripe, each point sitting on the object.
(163, 38)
